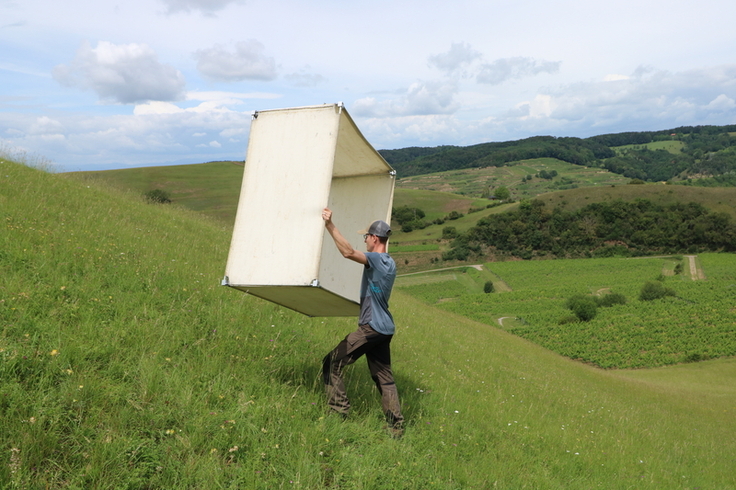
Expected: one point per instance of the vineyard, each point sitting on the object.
(697, 323)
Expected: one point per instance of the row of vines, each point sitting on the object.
(697, 323)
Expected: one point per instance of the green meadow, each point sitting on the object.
(672, 146)
(211, 188)
(519, 177)
(125, 365)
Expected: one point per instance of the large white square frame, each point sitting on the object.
(299, 161)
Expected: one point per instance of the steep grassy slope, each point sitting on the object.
(123, 364)
(211, 188)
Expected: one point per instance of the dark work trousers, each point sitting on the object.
(376, 348)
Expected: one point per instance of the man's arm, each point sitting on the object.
(343, 245)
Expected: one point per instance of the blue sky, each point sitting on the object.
(92, 85)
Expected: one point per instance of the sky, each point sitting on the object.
(91, 85)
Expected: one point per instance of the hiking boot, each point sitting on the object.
(395, 431)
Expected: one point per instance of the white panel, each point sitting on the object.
(278, 227)
(354, 155)
(356, 202)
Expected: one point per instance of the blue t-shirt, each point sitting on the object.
(375, 291)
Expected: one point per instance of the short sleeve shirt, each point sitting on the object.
(375, 291)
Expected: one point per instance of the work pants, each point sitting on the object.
(376, 348)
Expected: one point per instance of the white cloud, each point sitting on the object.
(459, 55)
(505, 69)
(228, 97)
(421, 98)
(722, 103)
(613, 77)
(125, 73)
(156, 107)
(246, 62)
(647, 100)
(303, 78)
(46, 125)
(206, 7)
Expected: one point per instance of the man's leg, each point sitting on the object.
(347, 352)
(379, 363)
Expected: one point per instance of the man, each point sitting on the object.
(375, 324)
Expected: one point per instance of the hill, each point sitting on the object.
(123, 364)
(521, 178)
(211, 188)
(693, 152)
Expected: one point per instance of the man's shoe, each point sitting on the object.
(395, 431)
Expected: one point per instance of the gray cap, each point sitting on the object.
(378, 228)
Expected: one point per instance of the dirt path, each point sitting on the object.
(477, 266)
(695, 272)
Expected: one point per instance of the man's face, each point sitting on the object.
(370, 242)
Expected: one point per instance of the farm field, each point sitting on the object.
(698, 323)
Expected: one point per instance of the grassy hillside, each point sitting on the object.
(211, 188)
(477, 181)
(123, 364)
(716, 199)
(673, 146)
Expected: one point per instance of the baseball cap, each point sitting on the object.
(378, 228)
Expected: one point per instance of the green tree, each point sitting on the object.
(449, 232)
(584, 307)
(654, 290)
(502, 193)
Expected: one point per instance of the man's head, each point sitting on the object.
(377, 232)
(378, 228)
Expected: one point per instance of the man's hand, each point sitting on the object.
(327, 215)
(343, 245)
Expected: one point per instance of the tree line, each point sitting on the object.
(616, 228)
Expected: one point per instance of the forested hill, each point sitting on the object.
(674, 154)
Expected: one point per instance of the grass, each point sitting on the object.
(716, 199)
(675, 147)
(124, 365)
(476, 181)
(210, 188)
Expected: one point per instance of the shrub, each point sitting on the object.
(459, 253)
(157, 196)
(584, 307)
(611, 299)
(488, 287)
(654, 290)
(405, 214)
(449, 232)
(568, 319)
